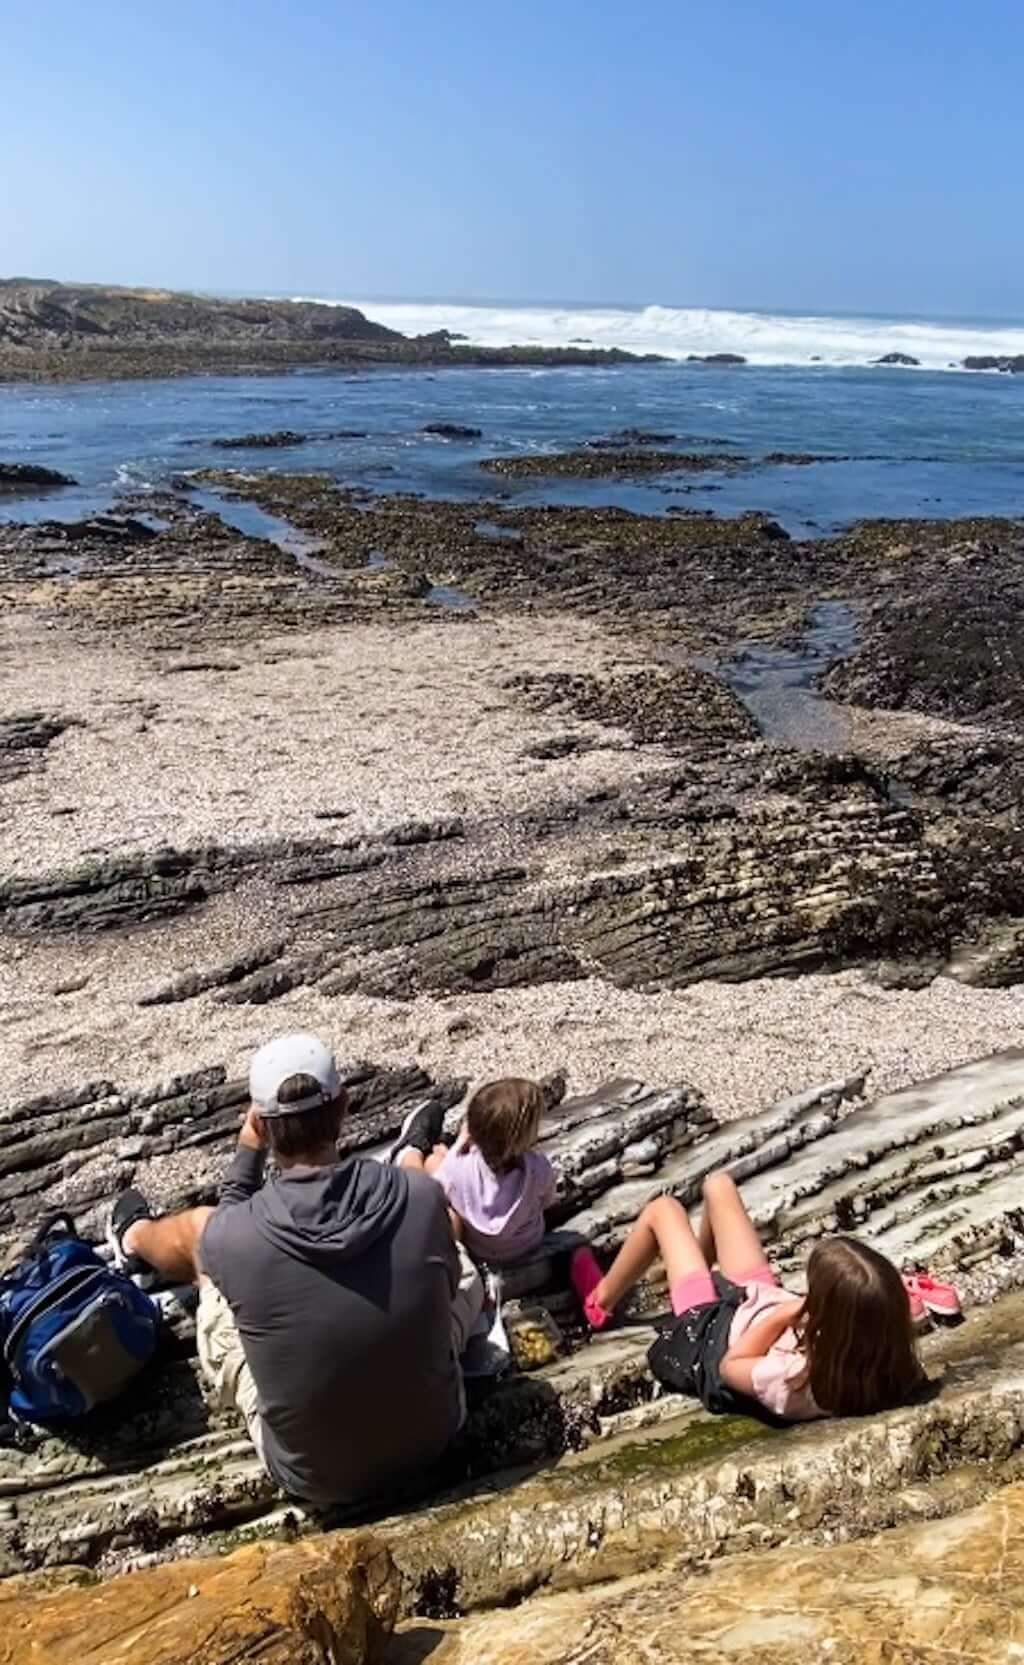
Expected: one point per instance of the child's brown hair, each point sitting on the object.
(502, 1120)
(856, 1331)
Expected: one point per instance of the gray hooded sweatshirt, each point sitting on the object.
(341, 1282)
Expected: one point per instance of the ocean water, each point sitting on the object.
(902, 443)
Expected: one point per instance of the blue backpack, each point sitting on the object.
(74, 1332)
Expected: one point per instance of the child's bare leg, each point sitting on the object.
(410, 1157)
(435, 1158)
(706, 1237)
(664, 1230)
(171, 1244)
(736, 1246)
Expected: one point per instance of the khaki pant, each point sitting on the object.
(467, 1302)
(222, 1361)
(467, 1305)
(230, 1381)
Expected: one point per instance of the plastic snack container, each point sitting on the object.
(533, 1336)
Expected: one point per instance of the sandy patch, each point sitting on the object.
(384, 725)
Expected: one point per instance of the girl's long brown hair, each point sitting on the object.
(503, 1119)
(856, 1330)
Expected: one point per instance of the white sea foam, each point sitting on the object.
(761, 337)
(134, 476)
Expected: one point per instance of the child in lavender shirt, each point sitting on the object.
(497, 1185)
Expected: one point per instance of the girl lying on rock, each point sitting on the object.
(845, 1349)
(496, 1183)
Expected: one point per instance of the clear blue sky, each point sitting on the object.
(845, 154)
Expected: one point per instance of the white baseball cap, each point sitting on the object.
(290, 1055)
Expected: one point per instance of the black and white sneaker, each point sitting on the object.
(128, 1208)
(421, 1130)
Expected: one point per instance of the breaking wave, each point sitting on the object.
(760, 337)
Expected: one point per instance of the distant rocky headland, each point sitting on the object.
(66, 332)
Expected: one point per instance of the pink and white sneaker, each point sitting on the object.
(939, 1300)
(918, 1311)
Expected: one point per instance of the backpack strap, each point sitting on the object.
(48, 1228)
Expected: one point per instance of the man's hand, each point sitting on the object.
(251, 1134)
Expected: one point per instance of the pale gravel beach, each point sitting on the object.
(384, 725)
(743, 1045)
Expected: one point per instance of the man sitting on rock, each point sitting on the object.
(333, 1303)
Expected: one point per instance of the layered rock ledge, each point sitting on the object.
(929, 1174)
(917, 1593)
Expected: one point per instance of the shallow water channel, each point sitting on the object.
(254, 522)
(777, 684)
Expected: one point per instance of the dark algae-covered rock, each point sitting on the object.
(451, 430)
(945, 632)
(24, 479)
(605, 460)
(632, 436)
(1013, 363)
(279, 440)
(681, 707)
(905, 359)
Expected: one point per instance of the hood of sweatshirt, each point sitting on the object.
(323, 1216)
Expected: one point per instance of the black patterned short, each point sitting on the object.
(688, 1353)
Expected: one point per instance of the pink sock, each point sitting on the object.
(585, 1275)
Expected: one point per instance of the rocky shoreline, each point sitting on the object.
(570, 778)
(473, 786)
(904, 852)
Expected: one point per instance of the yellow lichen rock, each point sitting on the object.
(326, 1601)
